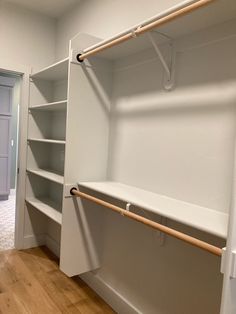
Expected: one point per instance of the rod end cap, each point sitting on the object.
(78, 58)
(73, 189)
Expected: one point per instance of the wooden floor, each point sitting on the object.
(30, 282)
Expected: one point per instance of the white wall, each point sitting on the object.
(26, 37)
(105, 18)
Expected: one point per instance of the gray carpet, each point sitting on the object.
(7, 223)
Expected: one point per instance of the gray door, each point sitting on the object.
(5, 119)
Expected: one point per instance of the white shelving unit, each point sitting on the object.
(202, 218)
(57, 105)
(47, 175)
(163, 152)
(44, 140)
(54, 72)
(47, 207)
(109, 125)
(46, 150)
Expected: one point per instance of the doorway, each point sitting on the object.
(9, 127)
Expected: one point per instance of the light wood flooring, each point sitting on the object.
(31, 283)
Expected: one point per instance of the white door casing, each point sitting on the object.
(5, 121)
(7, 66)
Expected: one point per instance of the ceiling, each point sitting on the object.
(52, 8)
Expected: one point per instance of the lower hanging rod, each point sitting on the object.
(155, 225)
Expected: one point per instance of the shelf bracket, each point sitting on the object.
(162, 236)
(168, 68)
(127, 207)
(233, 264)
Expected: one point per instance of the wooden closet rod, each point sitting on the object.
(155, 225)
(143, 29)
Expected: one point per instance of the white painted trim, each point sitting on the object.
(22, 154)
(118, 302)
(33, 241)
(24, 71)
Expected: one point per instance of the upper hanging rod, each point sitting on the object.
(174, 233)
(143, 29)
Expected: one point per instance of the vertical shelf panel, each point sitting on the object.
(86, 156)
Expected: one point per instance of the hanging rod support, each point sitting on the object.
(172, 232)
(146, 28)
(233, 263)
(127, 207)
(159, 53)
(162, 234)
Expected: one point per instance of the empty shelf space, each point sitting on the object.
(47, 141)
(47, 124)
(46, 160)
(47, 174)
(56, 71)
(57, 105)
(47, 207)
(202, 218)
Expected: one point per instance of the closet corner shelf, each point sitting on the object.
(47, 174)
(55, 72)
(57, 105)
(47, 207)
(202, 218)
(43, 140)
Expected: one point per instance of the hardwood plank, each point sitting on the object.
(47, 272)
(31, 282)
(8, 304)
(27, 290)
(40, 259)
(32, 302)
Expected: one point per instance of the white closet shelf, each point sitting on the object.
(47, 207)
(57, 105)
(47, 174)
(213, 14)
(47, 141)
(202, 218)
(55, 72)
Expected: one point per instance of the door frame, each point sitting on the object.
(8, 82)
(24, 71)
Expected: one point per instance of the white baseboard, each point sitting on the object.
(119, 303)
(33, 241)
(12, 191)
(53, 245)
